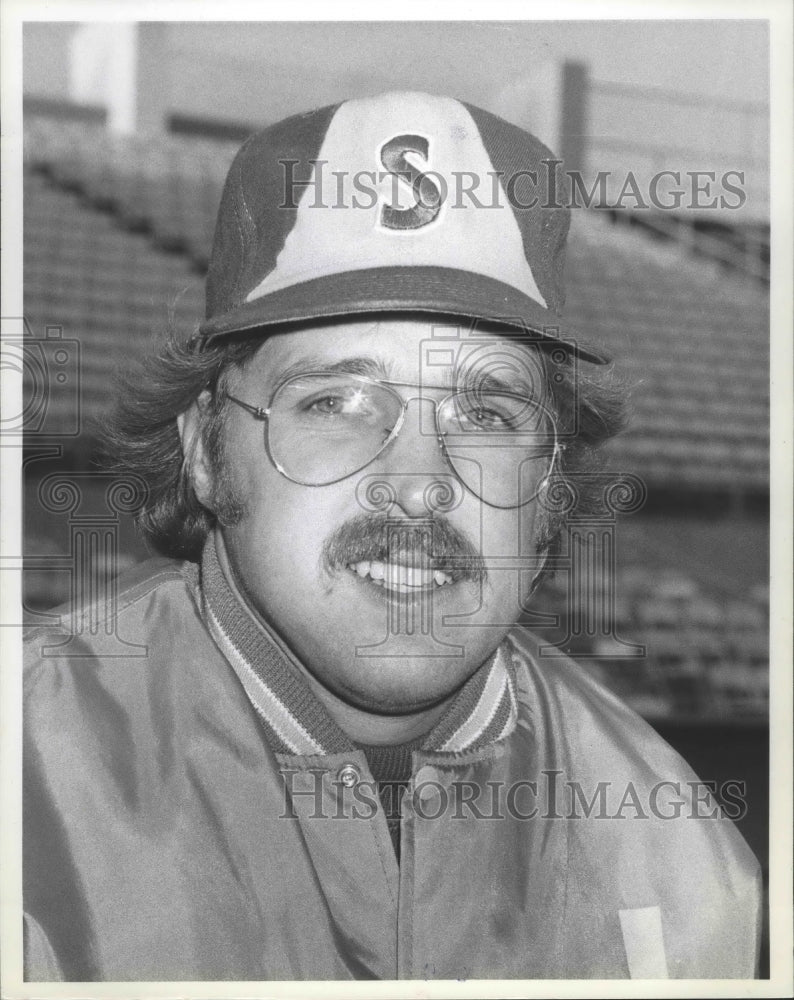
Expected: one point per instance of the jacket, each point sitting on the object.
(186, 817)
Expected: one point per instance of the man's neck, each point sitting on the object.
(361, 726)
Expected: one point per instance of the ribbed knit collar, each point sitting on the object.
(296, 722)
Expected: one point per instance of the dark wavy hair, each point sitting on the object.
(141, 436)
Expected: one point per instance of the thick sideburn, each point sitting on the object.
(227, 502)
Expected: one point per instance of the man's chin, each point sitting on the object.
(400, 677)
(393, 704)
(404, 658)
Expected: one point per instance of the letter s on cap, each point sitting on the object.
(427, 194)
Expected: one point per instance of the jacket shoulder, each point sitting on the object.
(157, 577)
(559, 692)
(127, 663)
(598, 741)
(150, 603)
(630, 797)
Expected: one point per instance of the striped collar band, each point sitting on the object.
(485, 709)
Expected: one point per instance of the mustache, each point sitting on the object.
(429, 544)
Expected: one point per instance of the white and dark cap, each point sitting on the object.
(401, 202)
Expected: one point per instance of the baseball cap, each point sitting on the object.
(399, 202)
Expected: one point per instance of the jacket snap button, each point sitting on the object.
(349, 775)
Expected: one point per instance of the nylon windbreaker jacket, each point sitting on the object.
(191, 813)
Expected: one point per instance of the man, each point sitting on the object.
(330, 754)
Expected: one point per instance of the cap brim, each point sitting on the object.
(440, 290)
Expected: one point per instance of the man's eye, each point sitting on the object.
(353, 404)
(326, 405)
(488, 418)
(485, 419)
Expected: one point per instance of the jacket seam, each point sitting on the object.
(133, 595)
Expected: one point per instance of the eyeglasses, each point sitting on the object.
(322, 427)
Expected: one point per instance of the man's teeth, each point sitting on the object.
(404, 579)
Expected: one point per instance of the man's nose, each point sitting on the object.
(411, 474)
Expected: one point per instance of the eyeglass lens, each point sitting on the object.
(325, 427)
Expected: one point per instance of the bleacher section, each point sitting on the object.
(167, 187)
(107, 287)
(117, 236)
(702, 656)
(696, 346)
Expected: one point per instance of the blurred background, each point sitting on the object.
(129, 131)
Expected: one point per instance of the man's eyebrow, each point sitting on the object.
(484, 380)
(362, 365)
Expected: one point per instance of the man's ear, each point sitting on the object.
(195, 463)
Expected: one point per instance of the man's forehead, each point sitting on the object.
(418, 350)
